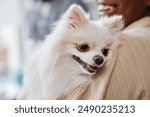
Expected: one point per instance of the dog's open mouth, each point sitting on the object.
(86, 66)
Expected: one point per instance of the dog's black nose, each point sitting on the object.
(98, 59)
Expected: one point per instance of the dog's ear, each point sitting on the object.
(75, 17)
(114, 23)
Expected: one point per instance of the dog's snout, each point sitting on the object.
(98, 59)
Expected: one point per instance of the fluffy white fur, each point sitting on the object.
(52, 71)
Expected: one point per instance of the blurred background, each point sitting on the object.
(24, 24)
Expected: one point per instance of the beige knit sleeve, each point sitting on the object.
(130, 78)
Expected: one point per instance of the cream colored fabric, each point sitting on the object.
(131, 75)
(128, 75)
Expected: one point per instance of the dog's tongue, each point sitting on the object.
(92, 68)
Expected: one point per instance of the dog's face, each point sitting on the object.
(89, 53)
(90, 56)
(88, 43)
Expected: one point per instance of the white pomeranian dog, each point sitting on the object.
(71, 55)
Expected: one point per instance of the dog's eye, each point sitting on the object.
(105, 51)
(83, 47)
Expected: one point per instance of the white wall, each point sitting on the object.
(11, 22)
(10, 12)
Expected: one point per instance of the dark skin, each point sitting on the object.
(132, 10)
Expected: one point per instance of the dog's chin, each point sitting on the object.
(85, 67)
